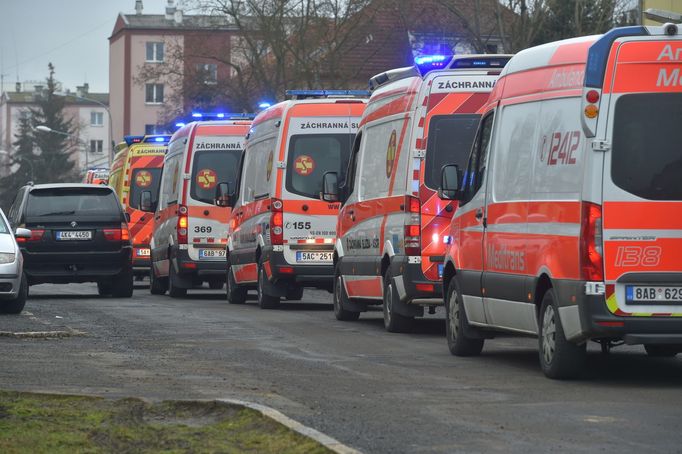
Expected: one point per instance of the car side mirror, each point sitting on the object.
(223, 195)
(450, 182)
(146, 203)
(22, 233)
(126, 215)
(330, 187)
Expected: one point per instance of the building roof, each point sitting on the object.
(160, 23)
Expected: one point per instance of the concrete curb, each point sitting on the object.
(42, 334)
(325, 440)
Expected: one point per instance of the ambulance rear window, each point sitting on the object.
(311, 156)
(144, 180)
(449, 142)
(646, 157)
(213, 167)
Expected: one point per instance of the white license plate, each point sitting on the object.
(144, 252)
(314, 257)
(652, 294)
(74, 235)
(211, 253)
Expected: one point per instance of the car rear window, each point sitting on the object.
(144, 180)
(313, 155)
(71, 202)
(646, 158)
(211, 168)
(449, 142)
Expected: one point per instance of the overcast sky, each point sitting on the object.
(72, 34)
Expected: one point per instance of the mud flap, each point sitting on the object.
(401, 306)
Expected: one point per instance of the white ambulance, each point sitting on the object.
(190, 220)
(569, 224)
(280, 235)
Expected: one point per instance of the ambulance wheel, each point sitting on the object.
(295, 294)
(559, 358)
(340, 300)
(157, 285)
(662, 351)
(235, 293)
(173, 290)
(456, 323)
(394, 322)
(265, 301)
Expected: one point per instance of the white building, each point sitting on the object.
(89, 112)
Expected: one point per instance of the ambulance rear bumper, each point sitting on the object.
(319, 276)
(416, 288)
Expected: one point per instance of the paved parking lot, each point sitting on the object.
(375, 391)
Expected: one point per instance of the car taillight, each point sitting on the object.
(36, 235)
(276, 223)
(412, 226)
(591, 261)
(122, 234)
(183, 223)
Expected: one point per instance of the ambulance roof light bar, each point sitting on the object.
(662, 16)
(157, 139)
(426, 63)
(129, 140)
(312, 94)
(597, 56)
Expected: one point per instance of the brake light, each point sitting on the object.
(412, 226)
(276, 223)
(591, 260)
(36, 235)
(122, 234)
(286, 269)
(183, 222)
(426, 288)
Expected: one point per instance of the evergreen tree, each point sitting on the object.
(21, 163)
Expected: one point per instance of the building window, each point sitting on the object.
(153, 93)
(154, 52)
(208, 73)
(154, 129)
(96, 146)
(96, 118)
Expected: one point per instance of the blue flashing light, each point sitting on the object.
(220, 115)
(157, 139)
(179, 125)
(197, 115)
(264, 105)
(598, 55)
(326, 93)
(129, 140)
(426, 63)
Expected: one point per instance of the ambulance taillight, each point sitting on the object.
(276, 223)
(183, 223)
(591, 254)
(412, 226)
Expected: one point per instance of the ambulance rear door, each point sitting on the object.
(642, 178)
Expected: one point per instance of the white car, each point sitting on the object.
(13, 285)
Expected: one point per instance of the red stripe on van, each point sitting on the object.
(643, 215)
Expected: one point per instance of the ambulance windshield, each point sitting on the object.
(144, 180)
(311, 156)
(449, 142)
(213, 167)
(646, 157)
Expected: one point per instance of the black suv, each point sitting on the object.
(79, 233)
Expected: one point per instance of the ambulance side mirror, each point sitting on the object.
(146, 202)
(450, 182)
(223, 195)
(330, 187)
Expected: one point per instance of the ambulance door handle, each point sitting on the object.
(479, 214)
(351, 213)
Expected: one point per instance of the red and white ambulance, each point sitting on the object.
(281, 236)
(189, 235)
(570, 218)
(391, 225)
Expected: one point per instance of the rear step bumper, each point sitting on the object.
(186, 266)
(320, 276)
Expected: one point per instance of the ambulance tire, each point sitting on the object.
(295, 294)
(157, 285)
(340, 301)
(173, 290)
(662, 351)
(265, 301)
(235, 293)
(456, 324)
(394, 322)
(559, 358)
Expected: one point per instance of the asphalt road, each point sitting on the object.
(372, 390)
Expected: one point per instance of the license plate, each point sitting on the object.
(74, 235)
(314, 257)
(211, 253)
(653, 294)
(144, 252)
